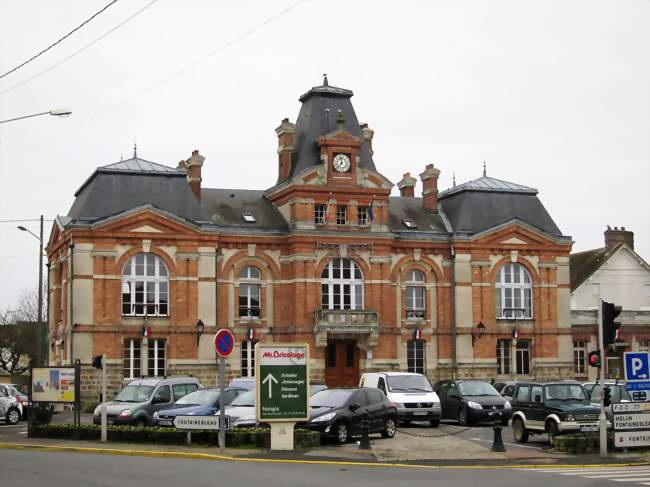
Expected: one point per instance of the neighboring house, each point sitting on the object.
(617, 274)
(472, 281)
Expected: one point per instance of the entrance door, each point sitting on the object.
(342, 363)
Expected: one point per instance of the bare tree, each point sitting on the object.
(21, 336)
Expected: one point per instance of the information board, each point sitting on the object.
(53, 384)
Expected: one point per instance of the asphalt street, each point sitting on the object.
(53, 469)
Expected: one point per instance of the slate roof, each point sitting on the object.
(584, 264)
(313, 121)
(402, 208)
(486, 183)
(226, 206)
(136, 164)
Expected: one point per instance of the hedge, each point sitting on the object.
(581, 442)
(239, 437)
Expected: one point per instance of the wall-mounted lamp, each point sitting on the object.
(199, 331)
(480, 331)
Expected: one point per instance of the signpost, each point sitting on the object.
(193, 423)
(224, 342)
(637, 371)
(282, 372)
(632, 419)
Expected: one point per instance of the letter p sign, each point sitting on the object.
(637, 366)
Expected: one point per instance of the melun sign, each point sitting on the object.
(282, 382)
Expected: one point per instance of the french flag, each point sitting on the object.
(251, 334)
(515, 333)
(371, 210)
(146, 331)
(417, 334)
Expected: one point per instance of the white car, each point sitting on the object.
(10, 408)
(242, 411)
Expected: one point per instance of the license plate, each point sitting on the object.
(589, 428)
(164, 422)
(420, 413)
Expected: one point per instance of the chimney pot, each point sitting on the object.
(430, 188)
(368, 134)
(193, 166)
(616, 236)
(285, 148)
(407, 185)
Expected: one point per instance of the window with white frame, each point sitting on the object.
(342, 285)
(249, 292)
(319, 214)
(362, 216)
(514, 292)
(341, 214)
(643, 345)
(132, 369)
(145, 286)
(522, 357)
(156, 360)
(503, 357)
(415, 294)
(416, 354)
(248, 358)
(580, 357)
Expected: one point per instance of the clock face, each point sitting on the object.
(341, 163)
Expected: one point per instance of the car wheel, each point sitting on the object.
(463, 420)
(13, 416)
(435, 423)
(553, 431)
(519, 431)
(342, 432)
(389, 428)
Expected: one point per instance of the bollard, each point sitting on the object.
(364, 444)
(497, 441)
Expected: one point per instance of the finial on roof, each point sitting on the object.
(121, 158)
(340, 119)
(135, 150)
(325, 82)
(454, 180)
(484, 169)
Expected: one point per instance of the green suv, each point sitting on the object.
(553, 408)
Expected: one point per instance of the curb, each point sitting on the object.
(214, 457)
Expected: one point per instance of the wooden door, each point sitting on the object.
(342, 363)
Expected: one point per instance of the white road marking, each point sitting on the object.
(510, 444)
(616, 474)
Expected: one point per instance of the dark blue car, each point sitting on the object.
(204, 402)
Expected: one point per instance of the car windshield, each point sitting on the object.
(564, 392)
(246, 399)
(202, 398)
(314, 388)
(14, 391)
(134, 394)
(618, 393)
(331, 398)
(477, 388)
(410, 383)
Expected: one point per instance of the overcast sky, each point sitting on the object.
(552, 94)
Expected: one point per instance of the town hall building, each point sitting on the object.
(472, 281)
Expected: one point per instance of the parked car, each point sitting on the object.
(337, 413)
(553, 408)
(247, 383)
(140, 399)
(472, 402)
(20, 393)
(10, 407)
(506, 389)
(411, 393)
(242, 410)
(314, 388)
(203, 402)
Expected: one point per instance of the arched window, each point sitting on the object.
(514, 292)
(342, 285)
(415, 294)
(249, 292)
(145, 286)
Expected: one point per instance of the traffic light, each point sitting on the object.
(97, 362)
(607, 396)
(610, 327)
(594, 359)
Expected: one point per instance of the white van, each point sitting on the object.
(412, 393)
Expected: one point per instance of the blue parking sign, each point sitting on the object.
(637, 366)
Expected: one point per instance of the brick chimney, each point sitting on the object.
(285, 148)
(367, 133)
(193, 166)
(407, 185)
(430, 188)
(616, 236)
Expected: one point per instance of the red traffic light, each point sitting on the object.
(594, 359)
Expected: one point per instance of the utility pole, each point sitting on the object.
(603, 362)
(103, 406)
(40, 276)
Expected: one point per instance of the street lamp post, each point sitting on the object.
(40, 269)
(55, 112)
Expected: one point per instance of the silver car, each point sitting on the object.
(10, 407)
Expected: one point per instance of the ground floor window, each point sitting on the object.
(156, 359)
(614, 368)
(503, 357)
(580, 357)
(523, 357)
(132, 369)
(248, 358)
(643, 345)
(416, 356)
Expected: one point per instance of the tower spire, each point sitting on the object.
(325, 82)
(135, 150)
(484, 169)
(454, 179)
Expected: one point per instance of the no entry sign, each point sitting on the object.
(224, 342)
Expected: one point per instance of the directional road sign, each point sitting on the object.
(637, 366)
(200, 422)
(282, 382)
(224, 342)
(637, 386)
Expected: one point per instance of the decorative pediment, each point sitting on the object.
(145, 220)
(339, 136)
(146, 229)
(513, 233)
(514, 240)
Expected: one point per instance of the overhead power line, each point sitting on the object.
(59, 41)
(27, 220)
(161, 81)
(78, 51)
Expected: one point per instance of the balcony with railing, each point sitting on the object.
(345, 323)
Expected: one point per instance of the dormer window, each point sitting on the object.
(248, 217)
(409, 224)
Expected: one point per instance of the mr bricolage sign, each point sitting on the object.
(282, 382)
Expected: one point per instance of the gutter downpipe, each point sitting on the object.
(454, 358)
(71, 302)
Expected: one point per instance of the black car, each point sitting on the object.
(472, 402)
(553, 408)
(337, 413)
